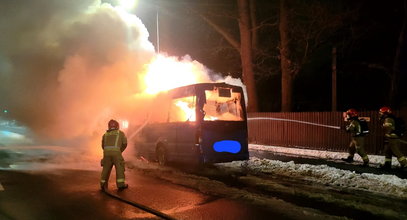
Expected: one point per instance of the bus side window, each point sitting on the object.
(182, 109)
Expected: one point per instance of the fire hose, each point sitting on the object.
(137, 205)
(139, 128)
(291, 120)
(303, 122)
(140, 206)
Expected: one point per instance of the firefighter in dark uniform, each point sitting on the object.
(114, 142)
(391, 139)
(357, 137)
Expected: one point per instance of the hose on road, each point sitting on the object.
(140, 206)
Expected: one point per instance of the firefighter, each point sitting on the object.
(391, 139)
(114, 142)
(357, 137)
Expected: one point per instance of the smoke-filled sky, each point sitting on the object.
(66, 67)
(66, 64)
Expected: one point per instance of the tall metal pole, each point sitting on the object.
(158, 33)
(334, 106)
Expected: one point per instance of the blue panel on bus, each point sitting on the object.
(227, 146)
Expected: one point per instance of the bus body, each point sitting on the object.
(200, 124)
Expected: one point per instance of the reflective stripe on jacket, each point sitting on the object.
(114, 140)
(354, 128)
(389, 126)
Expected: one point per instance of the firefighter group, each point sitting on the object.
(114, 142)
(393, 128)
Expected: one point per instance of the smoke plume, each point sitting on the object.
(67, 67)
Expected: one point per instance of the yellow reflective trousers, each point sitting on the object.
(110, 159)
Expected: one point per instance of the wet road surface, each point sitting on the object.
(75, 194)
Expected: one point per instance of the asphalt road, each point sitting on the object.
(75, 194)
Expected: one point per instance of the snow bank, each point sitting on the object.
(373, 159)
(323, 174)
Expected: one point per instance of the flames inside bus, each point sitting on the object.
(201, 123)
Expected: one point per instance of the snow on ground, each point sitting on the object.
(218, 188)
(56, 157)
(323, 174)
(19, 152)
(46, 158)
(302, 181)
(387, 184)
(10, 138)
(373, 159)
(16, 155)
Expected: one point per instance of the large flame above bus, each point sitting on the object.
(94, 57)
(165, 73)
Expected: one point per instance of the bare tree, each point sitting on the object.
(299, 38)
(287, 76)
(396, 74)
(246, 53)
(393, 69)
(244, 47)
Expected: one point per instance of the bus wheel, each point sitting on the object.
(161, 157)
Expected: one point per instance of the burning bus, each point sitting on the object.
(202, 123)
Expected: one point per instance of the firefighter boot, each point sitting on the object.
(103, 187)
(125, 186)
(386, 166)
(349, 159)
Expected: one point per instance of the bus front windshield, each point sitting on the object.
(222, 104)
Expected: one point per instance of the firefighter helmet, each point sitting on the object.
(385, 110)
(113, 124)
(352, 113)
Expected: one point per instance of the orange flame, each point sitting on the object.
(188, 110)
(165, 73)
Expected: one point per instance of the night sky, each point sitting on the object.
(366, 39)
(40, 40)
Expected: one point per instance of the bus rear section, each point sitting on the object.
(201, 123)
(223, 142)
(223, 124)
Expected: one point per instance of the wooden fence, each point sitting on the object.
(312, 130)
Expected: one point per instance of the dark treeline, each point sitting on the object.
(295, 38)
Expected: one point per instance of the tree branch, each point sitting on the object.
(228, 37)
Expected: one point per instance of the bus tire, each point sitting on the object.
(161, 156)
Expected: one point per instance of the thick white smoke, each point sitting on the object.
(67, 67)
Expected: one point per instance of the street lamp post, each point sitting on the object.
(158, 32)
